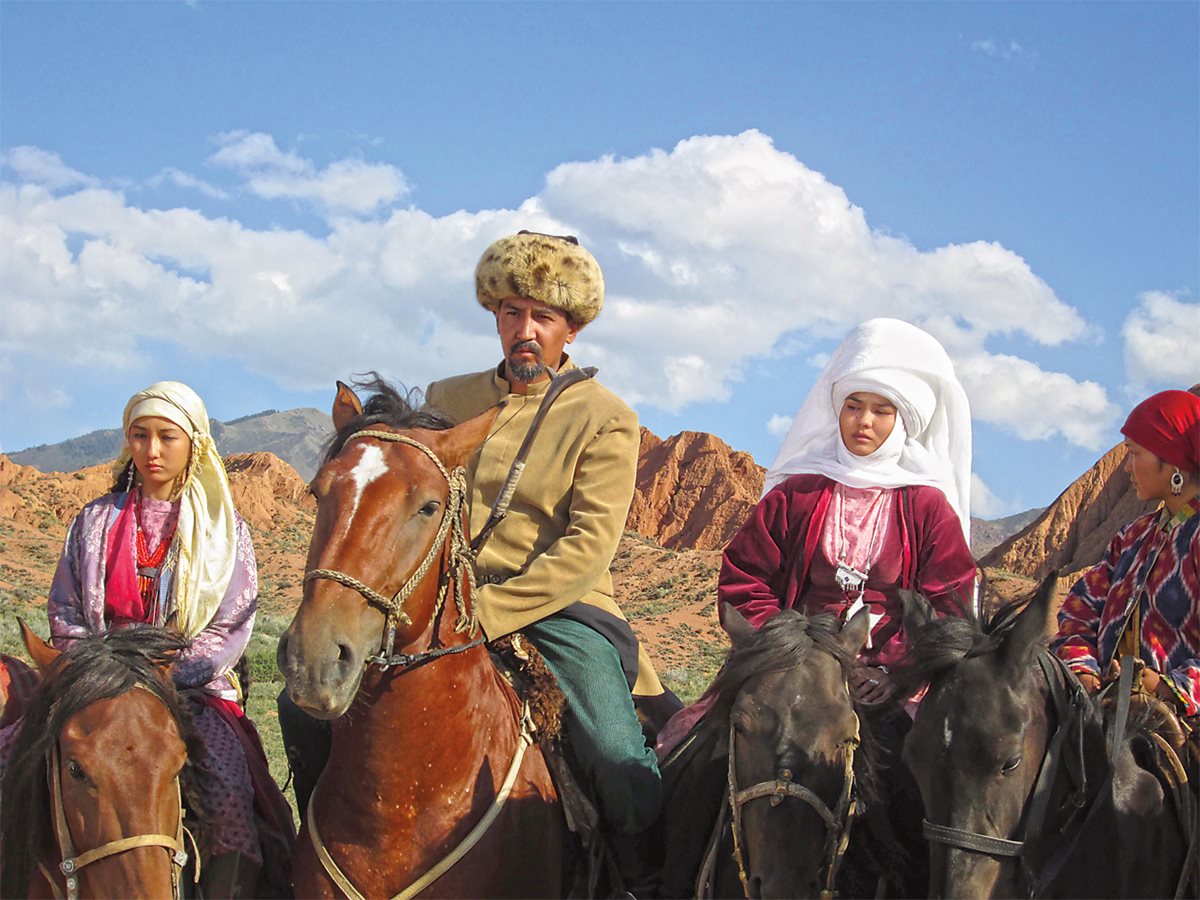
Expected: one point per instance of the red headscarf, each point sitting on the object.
(1168, 425)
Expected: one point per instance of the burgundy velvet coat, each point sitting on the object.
(775, 560)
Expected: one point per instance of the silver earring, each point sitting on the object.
(1176, 482)
(130, 477)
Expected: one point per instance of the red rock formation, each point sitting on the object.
(1074, 530)
(693, 490)
(265, 489)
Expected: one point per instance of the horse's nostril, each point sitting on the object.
(345, 654)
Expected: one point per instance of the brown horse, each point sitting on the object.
(428, 787)
(94, 784)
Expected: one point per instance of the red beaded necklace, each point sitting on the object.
(149, 564)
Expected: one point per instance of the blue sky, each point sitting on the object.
(258, 198)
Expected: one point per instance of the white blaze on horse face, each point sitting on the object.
(370, 466)
(947, 734)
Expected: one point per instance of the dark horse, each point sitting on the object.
(782, 760)
(92, 790)
(428, 788)
(1022, 793)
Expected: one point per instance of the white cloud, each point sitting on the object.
(778, 425)
(190, 182)
(344, 186)
(984, 504)
(1033, 403)
(1162, 337)
(40, 167)
(997, 49)
(719, 252)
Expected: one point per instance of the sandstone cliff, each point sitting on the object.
(693, 490)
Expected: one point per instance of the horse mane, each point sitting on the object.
(944, 642)
(783, 642)
(94, 668)
(388, 405)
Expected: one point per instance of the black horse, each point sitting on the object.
(762, 794)
(1022, 792)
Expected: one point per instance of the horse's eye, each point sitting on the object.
(429, 509)
(1011, 765)
(75, 770)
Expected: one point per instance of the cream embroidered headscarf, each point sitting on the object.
(931, 442)
(207, 532)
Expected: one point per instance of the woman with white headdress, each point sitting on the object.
(869, 494)
(167, 548)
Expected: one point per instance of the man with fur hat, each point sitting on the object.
(544, 570)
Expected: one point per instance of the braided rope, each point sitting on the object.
(461, 565)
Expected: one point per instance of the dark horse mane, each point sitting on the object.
(92, 669)
(388, 405)
(783, 642)
(942, 643)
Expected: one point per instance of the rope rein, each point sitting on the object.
(460, 568)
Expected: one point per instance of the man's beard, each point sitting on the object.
(526, 372)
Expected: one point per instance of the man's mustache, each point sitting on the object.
(532, 346)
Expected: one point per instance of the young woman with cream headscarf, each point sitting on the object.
(167, 548)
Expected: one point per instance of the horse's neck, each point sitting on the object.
(456, 696)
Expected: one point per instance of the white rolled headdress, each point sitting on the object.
(931, 443)
(207, 530)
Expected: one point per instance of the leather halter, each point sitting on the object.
(460, 568)
(837, 821)
(1070, 704)
(72, 863)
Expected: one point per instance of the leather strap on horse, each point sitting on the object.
(837, 821)
(446, 863)
(1069, 704)
(72, 863)
(558, 384)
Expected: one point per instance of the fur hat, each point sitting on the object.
(547, 268)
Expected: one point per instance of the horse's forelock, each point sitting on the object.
(783, 642)
(401, 408)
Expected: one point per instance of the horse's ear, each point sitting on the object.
(856, 631)
(735, 624)
(456, 444)
(1030, 626)
(917, 610)
(42, 654)
(346, 406)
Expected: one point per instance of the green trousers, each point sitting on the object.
(602, 726)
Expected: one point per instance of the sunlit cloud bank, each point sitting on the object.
(718, 252)
(1162, 337)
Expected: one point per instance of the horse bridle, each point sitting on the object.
(72, 863)
(837, 821)
(1070, 704)
(460, 568)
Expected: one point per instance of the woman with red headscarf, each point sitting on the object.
(1143, 598)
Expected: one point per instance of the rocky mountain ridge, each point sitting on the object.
(297, 436)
